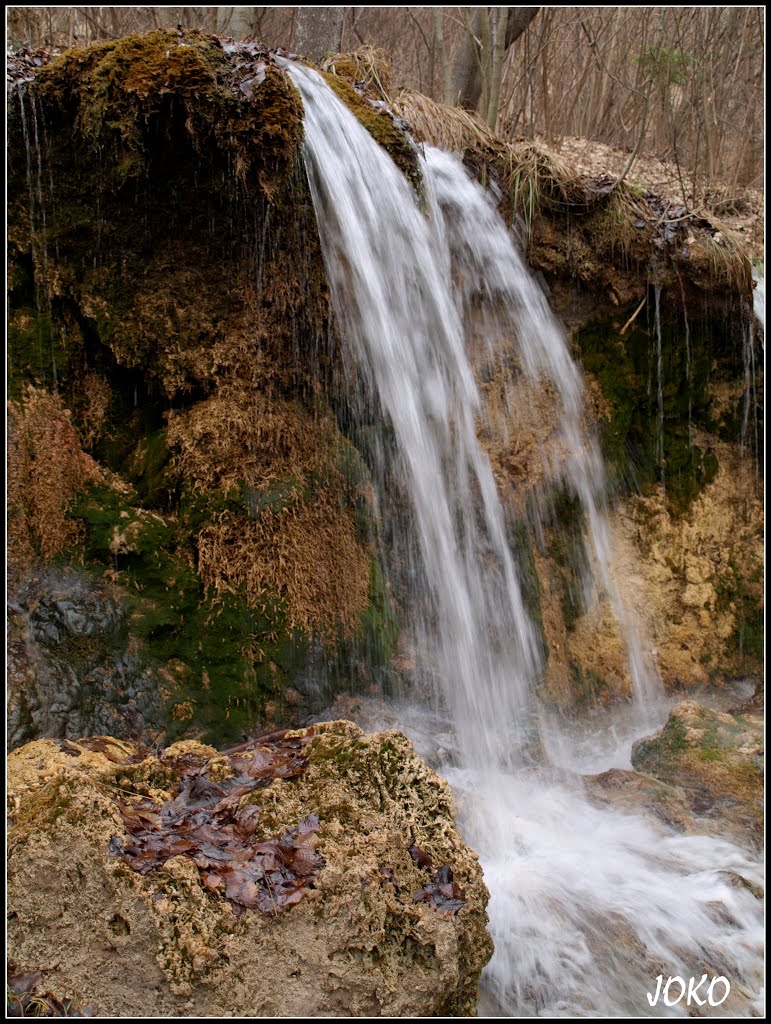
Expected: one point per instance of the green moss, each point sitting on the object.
(740, 588)
(363, 660)
(662, 751)
(521, 543)
(221, 660)
(381, 127)
(626, 369)
(709, 754)
(37, 352)
(116, 90)
(149, 124)
(586, 684)
(149, 469)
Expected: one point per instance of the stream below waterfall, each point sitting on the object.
(588, 904)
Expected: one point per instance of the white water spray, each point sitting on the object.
(587, 905)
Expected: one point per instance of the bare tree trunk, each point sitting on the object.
(467, 80)
(496, 66)
(319, 31)
(441, 50)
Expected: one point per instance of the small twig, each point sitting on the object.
(634, 315)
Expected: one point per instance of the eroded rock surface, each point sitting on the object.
(73, 666)
(367, 938)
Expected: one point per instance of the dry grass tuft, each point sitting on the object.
(46, 470)
(536, 178)
(728, 257)
(245, 436)
(94, 408)
(532, 176)
(296, 541)
(368, 66)
(451, 128)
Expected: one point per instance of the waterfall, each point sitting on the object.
(759, 296)
(391, 282)
(587, 905)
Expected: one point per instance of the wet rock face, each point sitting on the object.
(371, 931)
(72, 667)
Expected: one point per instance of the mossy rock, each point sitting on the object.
(653, 408)
(717, 759)
(380, 124)
(116, 88)
(147, 124)
(160, 301)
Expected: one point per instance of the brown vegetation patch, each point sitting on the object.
(452, 128)
(296, 538)
(307, 555)
(588, 225)
(369, 67)
(46, 470)
(240, 435)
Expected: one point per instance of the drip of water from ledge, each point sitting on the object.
(588, 905)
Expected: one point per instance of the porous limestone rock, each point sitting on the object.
(163, 943)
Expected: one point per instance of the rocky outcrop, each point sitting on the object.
(685, 511)
(74, 667)
(702, 773)
(698, 576)
(381, 913)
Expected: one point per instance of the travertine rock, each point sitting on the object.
(357, 944)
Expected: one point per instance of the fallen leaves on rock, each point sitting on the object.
(420, 857)
(21, 65)
(207, 821)
(442, 893)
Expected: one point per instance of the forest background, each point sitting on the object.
(683, 85)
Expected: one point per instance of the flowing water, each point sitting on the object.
(759, 296)
(753, 330)
(588, 905)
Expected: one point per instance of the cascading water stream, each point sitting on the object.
(395, 304)
(587, 905)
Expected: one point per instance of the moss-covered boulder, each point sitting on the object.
(387, 909)
(716, 759)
